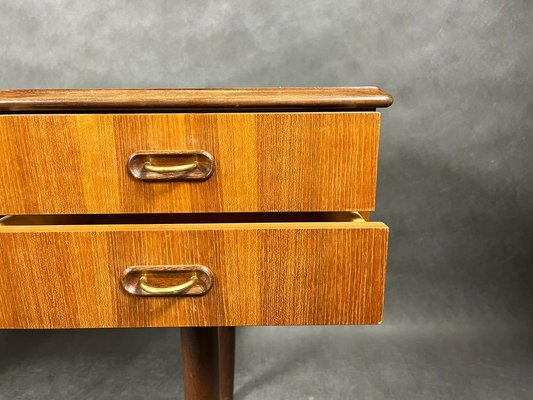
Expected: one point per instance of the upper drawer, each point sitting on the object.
(75, 164)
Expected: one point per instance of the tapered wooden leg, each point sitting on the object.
(200, 357)
(226, 336)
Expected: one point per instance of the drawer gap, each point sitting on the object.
(199, 218)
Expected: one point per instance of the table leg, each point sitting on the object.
(200, 357)
(226, 337)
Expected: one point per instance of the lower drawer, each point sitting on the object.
(76, 272)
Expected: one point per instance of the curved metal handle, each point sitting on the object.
(175, 168)
(166, 291)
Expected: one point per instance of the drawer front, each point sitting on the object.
(260, 274)
(77, 164)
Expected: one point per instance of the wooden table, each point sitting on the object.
(204, 209)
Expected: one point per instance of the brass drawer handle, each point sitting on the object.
(170, 169)
(171, 165)
(166, 291)
(197, 280)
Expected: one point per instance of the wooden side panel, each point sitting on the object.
(77, 164)
(264, 276)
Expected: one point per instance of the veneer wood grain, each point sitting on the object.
(77, 164)
(264, 274)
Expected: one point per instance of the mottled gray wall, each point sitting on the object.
(455, 175)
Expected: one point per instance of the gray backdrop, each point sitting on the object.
(455, 187)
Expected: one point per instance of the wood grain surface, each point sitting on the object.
(236, 99)
(264, 274)
(77, 164)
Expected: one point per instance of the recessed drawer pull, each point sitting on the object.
(176, 168)
(167, 280)
(171, 165)
(167, 291)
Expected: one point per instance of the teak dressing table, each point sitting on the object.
(204, 209)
